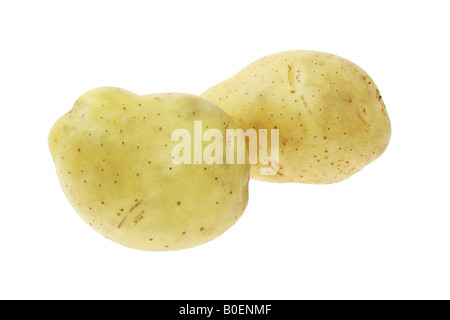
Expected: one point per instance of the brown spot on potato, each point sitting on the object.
(139, 217)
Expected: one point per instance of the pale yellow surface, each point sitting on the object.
(112, 154)
(330, 115)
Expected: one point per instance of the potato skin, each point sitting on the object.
(330, 115)
(112, 154)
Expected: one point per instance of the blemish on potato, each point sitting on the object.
(139, 217)
(129, 212)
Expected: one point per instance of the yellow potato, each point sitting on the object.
(113, 154)
(331, 119)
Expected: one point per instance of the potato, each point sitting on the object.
(331, 119)
(113, 154)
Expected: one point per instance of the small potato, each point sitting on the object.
(331, 119)
(113, 154)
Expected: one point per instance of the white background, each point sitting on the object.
(382, 234)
